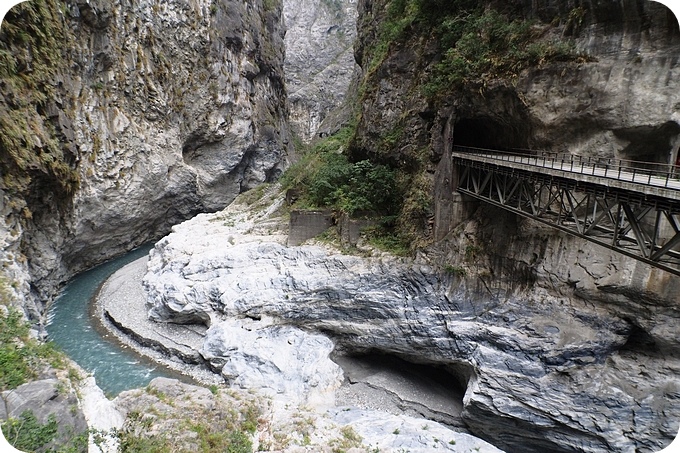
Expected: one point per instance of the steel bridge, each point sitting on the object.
(627, 206)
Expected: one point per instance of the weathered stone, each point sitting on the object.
(44, 399)
(543, 368)
(306, 224)
(170, 408)
(319, 62)
(351, 228)
(171, 109)
(278, 360)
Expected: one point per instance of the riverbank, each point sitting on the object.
(369, 383)
(119, 308)
(364, 395)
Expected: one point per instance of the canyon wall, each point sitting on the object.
(616, 96)
(319, 62)
(123, 118)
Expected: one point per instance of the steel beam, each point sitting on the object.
(630, 223)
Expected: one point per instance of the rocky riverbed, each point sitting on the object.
(390, 403)
(527, 369)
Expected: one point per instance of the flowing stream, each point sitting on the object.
(72, 329)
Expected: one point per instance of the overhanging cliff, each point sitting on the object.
(121, 119)
(594, 79)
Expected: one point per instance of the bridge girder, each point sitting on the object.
(634, 224)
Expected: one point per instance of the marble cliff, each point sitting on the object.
(161, 110)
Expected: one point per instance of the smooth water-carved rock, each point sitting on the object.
(542, 370)
(280, 360)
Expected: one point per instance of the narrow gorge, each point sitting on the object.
(207, 127)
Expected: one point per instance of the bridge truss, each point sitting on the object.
(635, 224)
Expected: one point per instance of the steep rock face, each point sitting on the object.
(620, 102)
(319, 62)
(544, 370)
(168, 109)
(523, 281)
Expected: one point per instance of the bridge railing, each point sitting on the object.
(660, 175)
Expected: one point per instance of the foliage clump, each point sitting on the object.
(168, 424)
(326, 178)
(26, 433)
(22, 357)
(32, 37)
(487, 45)
(475, 43)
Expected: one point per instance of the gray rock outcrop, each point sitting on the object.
(46, 400)
(319, 63)
(168, 109)
(168, 409)
(544, 370)
(592, 324)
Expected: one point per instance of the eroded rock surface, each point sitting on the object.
(47, 400)
(319, 63)
(543, 370)
(167, 109)
(169, 409)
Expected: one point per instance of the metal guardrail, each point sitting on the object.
(658, 175)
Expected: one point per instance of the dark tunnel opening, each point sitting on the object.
(489, 133)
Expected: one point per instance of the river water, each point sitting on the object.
(70, 327)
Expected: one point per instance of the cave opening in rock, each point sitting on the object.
(639, 341)
(651, 144)
(386, 382)
(490, 133)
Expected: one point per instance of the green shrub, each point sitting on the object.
(26, 433)
(21, 357)
(486, 45)
(32, 37)
(15, 351)
(326, 178)
(477, 44)
(455, 270)
(387, 240)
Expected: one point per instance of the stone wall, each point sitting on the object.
(307, 224)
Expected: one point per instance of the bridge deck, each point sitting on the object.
(661, 182)
(630, 207)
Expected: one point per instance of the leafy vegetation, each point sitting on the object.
(477, 43)
(458, 271)
(488, 45)
(327, 179)
(31, 38)
(22, 357)
(227, 426)
(386, 239)
(26, 433)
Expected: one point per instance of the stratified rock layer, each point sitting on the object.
(544, 371)
(572, 347)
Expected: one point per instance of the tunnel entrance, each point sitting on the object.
(385, 382)
(487, 132)
(651, 144)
